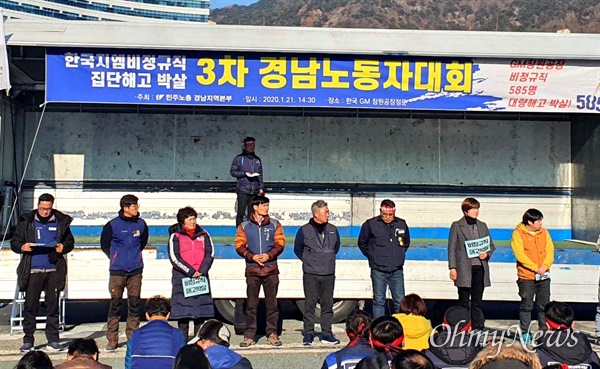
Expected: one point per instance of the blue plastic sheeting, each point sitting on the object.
(349, 231)
(420, 252)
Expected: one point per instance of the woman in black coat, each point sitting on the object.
(191, 254)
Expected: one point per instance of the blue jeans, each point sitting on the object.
(381, 280)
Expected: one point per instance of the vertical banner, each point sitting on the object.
(4, 72)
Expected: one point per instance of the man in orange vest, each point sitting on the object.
(534, 252)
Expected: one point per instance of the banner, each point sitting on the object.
(331, 81)
(4, 71)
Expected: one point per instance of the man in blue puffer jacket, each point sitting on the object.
(156, 344)
(247, 168)
(122, 240)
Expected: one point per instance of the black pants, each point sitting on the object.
(318, 288)
(533, 293)
(184, 325)
(475, 295)
(243, 207)
(38, 282)
(270, 284)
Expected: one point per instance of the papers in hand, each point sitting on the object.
(43, 245)
(253, 174)
(474, 247)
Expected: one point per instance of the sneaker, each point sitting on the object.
(526, 338)
(273, 340)
(247, 342)
(112, 344)
(308, 339)
(329, 339)
(26, 347)
(54, 346)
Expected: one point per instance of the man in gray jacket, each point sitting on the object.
(317, 244)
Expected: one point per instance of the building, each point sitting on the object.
(109, 10)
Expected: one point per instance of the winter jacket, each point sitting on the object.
(384, 244)
(190, 255)
(457, 252)
(566, 347)
(252, 239)
(25, 233)
(453, 350)
(82, 362)
(532, 250)
(122, 240)
(317, 252)
(379, 360)
(154, 345)
(349, 356)
(247, 162)
(221, 357)
(417, 330)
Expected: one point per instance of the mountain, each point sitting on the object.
(579, 16)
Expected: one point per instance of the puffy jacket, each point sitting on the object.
(379, 360)
(349, 356)
(532, 249)
(317, 254)
(451, 350)
(417, 330)
(25, 233)
(154, 345)
(122, 240)
(247, 162)
(384, 244)
(82, 362)
(566, 347)
(221, 357)
(252, 239)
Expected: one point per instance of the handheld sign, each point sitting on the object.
(474, 247)
(43, 245)
(195, 286)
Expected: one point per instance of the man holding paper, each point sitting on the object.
(247, 168)
(43, 236)
(534, 251)
(470, 247)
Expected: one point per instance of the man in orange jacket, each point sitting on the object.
(534, 252)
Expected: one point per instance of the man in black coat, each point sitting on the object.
(43, 236)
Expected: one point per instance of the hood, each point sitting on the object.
(522, 228)
(221, 357)
(448, 348)
(566, 347)
(415, 326)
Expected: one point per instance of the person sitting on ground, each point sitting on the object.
(411, 359)
(561, 344)
(156, 344)
(191, 357)
(454, 347)
(82, 354)
(417, 328)
(357, 330)
(35, 360)
(507, 355)
(213, 337)
(387, 337)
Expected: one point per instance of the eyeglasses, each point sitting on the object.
(137, 206)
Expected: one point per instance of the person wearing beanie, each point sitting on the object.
(357, 330)
(213, 338)
(470, 248)
(507, 355)
(248, 170)
(387, 338)
(453, 346)
(561, 344)
(417, 327)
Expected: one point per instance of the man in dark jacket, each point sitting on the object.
(561, 344)
(357, 330)
(156, 344)
(387, 338)
(248, 170)
(43, 236)
(260, 241)
(82, 354)
(122, 240)
(384, 240)
(214, 337)
(317, 244)
(454, 346)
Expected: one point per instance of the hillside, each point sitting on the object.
(579, 16)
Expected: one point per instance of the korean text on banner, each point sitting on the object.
(195, 286)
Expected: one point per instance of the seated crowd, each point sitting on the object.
(403, 341)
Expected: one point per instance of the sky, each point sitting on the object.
(214, 4)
